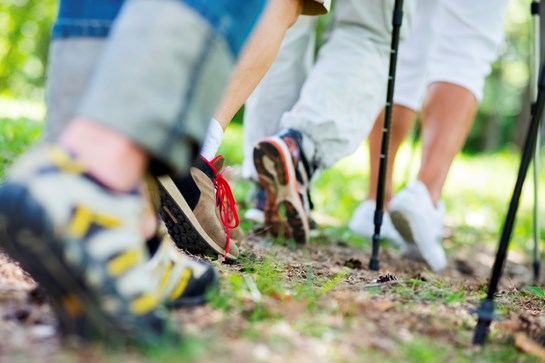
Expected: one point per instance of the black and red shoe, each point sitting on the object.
(284, 173)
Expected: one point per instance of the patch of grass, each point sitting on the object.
(423, 350)
(261, 284)
(536, 291)
(434, 291)
(16, 135)
(187, 350)
(247, 290)
(502, 350)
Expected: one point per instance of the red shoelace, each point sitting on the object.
(226, 203)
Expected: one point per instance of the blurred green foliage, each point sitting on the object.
(16, 135)
(505, 97)
(24, 38)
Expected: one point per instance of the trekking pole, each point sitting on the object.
(485, 312)
(534, 68)
(379, 211)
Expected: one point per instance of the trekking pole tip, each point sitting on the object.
(374, 264)
(486, 315)
(481, 332)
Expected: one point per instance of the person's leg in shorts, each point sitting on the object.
(277, 92)
(72, 59)
(466, 41)
(335, 111)
(71, 209)
(71, 64)
(409, 91)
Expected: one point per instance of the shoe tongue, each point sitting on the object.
(218, 162)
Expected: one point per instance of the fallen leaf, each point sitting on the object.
(526, 344)
(382, 305)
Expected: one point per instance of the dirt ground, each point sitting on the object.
(401, 313)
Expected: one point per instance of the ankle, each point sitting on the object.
(433, 192)
(115, 160)
(387, 198)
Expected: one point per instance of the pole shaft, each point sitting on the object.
(486, 309)
(534, 69)
(527, 154)
(383, 165)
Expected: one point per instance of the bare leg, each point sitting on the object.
(257, 56)
(447, 116)
(115, 160)
(402, 120)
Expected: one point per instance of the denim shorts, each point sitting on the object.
(155, 76)
(233, 19)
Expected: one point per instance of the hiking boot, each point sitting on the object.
(182, 281)
(419, 222)
(200, 211)
(362, 223)
(81, 242)
(285, 173)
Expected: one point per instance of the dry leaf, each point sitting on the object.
(528, 345)
(382, 305)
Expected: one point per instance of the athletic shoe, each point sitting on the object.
(419, 222)
(256, 213)
(81, 242)
(182, 281)
(285, 173)
(200, 211)
(362, 223)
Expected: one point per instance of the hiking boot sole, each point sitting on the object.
(182, 225)
(276, 174)
(26, 234)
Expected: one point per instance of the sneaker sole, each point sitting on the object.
(276, 174)
(185, 230)
(401, 223)
(24, 226)
(403, 226)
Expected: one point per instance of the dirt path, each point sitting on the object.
(319, 303)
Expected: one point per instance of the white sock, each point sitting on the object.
(212, 141)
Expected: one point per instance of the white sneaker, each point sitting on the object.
(256, 213)
(418, 221)
(362, 223)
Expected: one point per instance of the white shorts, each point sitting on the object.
(453, 41)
